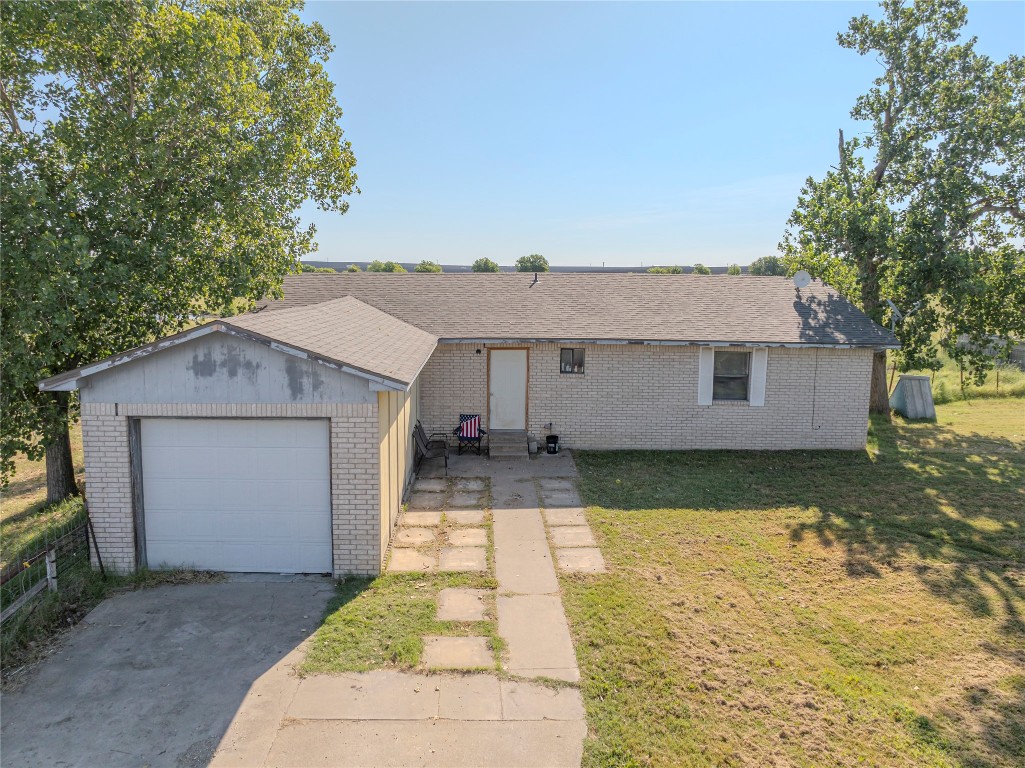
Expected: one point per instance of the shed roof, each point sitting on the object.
(602, 307)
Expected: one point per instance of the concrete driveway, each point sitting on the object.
(154, 677)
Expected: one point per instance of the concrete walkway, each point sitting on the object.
(387, 718)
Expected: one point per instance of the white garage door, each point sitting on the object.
(237, 494)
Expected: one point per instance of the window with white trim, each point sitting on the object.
(571, 361)
(731, 375)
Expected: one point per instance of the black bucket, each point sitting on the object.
(553, 443)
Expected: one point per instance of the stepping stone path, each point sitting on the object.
(572, 536)
(583, 560)
(575, 549)
(457, 653)
(462, 604)
(403, 559)
(413, 537)
(426, 500)
(465, 499)
(463, 559)
(468, 537)
(465, 516)
(528, 546)
(420, 517)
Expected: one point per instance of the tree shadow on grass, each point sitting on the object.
(943, 506)
(953, 504)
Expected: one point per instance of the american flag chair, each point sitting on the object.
(469, 432)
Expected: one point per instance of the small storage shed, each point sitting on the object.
(274, 442)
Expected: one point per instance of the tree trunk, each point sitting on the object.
(879, 401)
(60, 469)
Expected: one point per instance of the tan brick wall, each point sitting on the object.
(355, 474)
(108, 484)
(645, 396)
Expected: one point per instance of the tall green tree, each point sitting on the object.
(427, 266)
(385, 266)
(700, 269)
(733, 269)
(484, 264)
(154, 156)
(926, 209)
(767, 266)
(535, 262)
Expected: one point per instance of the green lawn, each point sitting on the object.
(810, 608)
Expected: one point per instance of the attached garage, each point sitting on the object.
(272, 442)
(249, 495)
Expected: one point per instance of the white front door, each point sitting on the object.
(508, 395)
(237, 494)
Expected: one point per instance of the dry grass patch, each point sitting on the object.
(22, 515)
(810, 608)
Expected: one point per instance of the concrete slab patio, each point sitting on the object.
(471, 465)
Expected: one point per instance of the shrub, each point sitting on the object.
(665, 271)
(484, 265)
(385, 266)
(535, 262)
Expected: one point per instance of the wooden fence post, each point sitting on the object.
(51, 569)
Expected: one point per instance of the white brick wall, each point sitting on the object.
(355, 474)
(641, 396)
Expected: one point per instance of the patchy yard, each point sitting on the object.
(381, 622)
(811, 608)
(22, 517)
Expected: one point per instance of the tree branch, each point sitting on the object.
(9, 112)
(131, 95)
(1013, 211)
(843, 166)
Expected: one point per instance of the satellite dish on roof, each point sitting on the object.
(801, 279)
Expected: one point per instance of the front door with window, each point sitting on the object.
(507, 398)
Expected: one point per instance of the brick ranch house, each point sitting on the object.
(280, 440)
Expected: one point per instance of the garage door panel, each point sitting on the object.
(306, 463)
(201, 555)
(306, 526)
(238, 494)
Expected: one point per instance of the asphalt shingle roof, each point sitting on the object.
(593, 307)
(349, 332)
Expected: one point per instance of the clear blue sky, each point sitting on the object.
(616, 133)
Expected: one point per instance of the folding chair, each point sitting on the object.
(428, 449)
(469, 432)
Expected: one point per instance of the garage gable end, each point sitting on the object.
(221, 367)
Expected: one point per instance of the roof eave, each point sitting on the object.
(670, 342)
(69, 380)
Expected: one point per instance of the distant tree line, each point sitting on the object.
(535, 262)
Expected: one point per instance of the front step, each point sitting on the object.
(508, 444)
